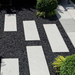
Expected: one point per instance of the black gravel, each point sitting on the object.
(13, 44)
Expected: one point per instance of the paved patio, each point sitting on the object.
(29, 44)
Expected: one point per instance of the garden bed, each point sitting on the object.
(24, 15)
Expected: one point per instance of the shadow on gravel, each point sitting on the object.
(16, 9)
(51, 18)
(0, 63)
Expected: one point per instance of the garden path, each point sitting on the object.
(30, 44)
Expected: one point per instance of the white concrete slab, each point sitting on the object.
(72, 37)
(60, 8)
(63, 15)
(11, 66)
(37, 61)
(63, 9)
(68, 24)
(30, 30)
(72, 13)
(10, 22)
(55, 39)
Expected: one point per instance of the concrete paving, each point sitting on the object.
(68, 24)
(37, 42)
(67, 19)
(37, 61)
(63, 15)
(30, 30)
(10, 67)
(55, 39)
(72, 37)
(72, 13)
(10, 22)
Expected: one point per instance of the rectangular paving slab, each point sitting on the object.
(72, 37)
(63, 14)
(68, 24)
(72, 13)
(37, 61)
(55, 39)
(10, 22)
(60, 8)
(30, 30)
(10, 66)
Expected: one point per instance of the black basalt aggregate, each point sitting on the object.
(13, 44)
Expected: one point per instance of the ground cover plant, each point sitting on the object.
(57, 63)
(46, 7)
(64, 65)
(68, 66)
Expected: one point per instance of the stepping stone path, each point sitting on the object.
(35, 54)
(72, 13)
(36, 57)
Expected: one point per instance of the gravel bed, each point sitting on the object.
(13, 44)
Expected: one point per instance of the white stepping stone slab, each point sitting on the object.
(10, 22)
(68, 24)
(60, 8)
(55, 39)
(72, 37)
(37, 61)
(30, 30)
(11, 66)
(63, 15)
(72, 13)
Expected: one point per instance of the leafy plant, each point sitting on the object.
(68, 66)
(46, 5)
(52, 13)
(40, 14)
(44, 14)
(57, 63)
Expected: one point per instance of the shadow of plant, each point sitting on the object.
(16, 9)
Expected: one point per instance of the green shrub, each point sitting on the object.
(44, 14)
(52, 13)
(46, 5)
(57, 63)
(68, 66)
(40, 14)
